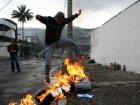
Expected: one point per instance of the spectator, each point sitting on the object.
(13, 49)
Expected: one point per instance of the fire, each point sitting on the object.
(27, 100)
(62, 80)
(12, 103)
(75, 72)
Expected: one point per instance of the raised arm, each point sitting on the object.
(70, 19)
(40, 18)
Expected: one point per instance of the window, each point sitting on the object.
(3, 27)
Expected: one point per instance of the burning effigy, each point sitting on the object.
(73, 77)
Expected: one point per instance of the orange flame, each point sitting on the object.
(61, 80)
(12, 103)
(75, 72)
(27, 100)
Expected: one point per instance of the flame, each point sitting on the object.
(27, 100)
(12, 103)
(75, 72)
(61, 80)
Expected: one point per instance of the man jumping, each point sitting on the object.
(54, 26)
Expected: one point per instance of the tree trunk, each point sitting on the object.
(22, 30)
(16, 37)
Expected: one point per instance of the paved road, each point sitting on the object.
(16, 85)
(4, 65)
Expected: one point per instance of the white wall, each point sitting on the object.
(3, 49)
(119, 40)
(3, 45)
(7, 23)
(10, 33)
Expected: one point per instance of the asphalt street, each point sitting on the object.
(14, 85)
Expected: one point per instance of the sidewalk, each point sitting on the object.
(3, 58)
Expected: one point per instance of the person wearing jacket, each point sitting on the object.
(54, 26)
(13, 50)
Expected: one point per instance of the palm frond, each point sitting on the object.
(22, 8)
(22, 14)
(15, 14)
(29, 15)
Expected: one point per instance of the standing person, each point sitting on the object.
(54, 26)
(13, 49)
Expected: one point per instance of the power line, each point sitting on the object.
(6, 5)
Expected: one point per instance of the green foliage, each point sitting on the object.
(30, 49)
(92, 61)
(22, 14)
(24, 49)
(36, 48)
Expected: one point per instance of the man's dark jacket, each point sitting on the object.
(53, 30)
(13, 48)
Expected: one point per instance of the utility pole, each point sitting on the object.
(69, 29)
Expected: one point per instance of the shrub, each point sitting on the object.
(91, 61)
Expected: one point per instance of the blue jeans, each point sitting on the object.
(49, 50)
(14, 61)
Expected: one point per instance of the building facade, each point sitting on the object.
(8, 31)
(118, 40)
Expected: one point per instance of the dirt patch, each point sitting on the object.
(110, 95)
(116, 88)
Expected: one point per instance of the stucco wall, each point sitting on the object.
(10, 33)
(119, 40)
(3, 49)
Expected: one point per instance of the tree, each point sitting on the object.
(22, 15)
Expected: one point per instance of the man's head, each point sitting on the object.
(59, 17)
